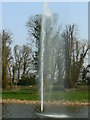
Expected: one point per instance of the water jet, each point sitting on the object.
(52, 59)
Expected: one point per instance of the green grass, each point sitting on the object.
(20, 95)
(26, 93)
(68, 96)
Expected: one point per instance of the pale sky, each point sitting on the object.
(16, 14)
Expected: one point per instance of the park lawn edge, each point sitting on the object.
(38, 102)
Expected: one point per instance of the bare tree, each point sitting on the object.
(34, 27)
(6, 58)
(75, 54)
(34, 30)
(18, 59)
(0, 72)
(26, 59)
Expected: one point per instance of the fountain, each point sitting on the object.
(51, 58)
(46, 14)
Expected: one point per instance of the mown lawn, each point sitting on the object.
(68, 96)
(27, 93)
(21, 93)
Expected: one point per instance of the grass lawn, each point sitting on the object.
(27, 93)
(68, 96)
(21, 93)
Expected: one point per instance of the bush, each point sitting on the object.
(58, 87)
(88, 79)
(26, 81)
(23, 82)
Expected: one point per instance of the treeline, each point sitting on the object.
(23, 63)
(16, 63)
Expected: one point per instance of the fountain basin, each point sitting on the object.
(53, 115)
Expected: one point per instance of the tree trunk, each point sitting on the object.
(18, 74)
(10, 72)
